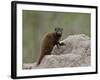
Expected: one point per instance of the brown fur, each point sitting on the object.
(48, 42)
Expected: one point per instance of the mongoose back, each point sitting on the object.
(48, 42)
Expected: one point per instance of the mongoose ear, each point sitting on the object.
(55, 29)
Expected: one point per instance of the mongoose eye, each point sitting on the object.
(58, 29)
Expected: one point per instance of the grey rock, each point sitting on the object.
(75, 53)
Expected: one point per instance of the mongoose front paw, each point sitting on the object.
(62, 44)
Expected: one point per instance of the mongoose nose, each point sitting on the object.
(59, 33)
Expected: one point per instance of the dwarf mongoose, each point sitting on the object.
(48, 42)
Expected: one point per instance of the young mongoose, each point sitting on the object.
(49, 41)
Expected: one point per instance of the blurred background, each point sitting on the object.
(37, 23)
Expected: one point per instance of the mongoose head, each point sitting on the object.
(58, 31)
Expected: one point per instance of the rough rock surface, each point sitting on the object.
(75, 53)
